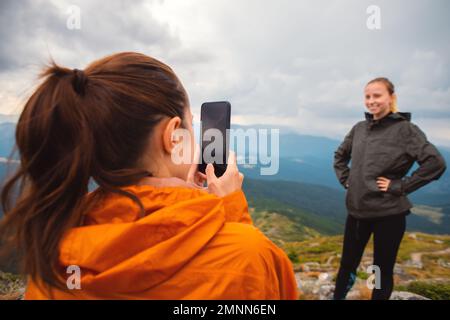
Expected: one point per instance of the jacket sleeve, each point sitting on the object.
(431, 164)
(342, 157)
(236, 208)
(288, 284)
(278, 273)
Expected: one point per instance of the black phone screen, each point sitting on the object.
(215, 125)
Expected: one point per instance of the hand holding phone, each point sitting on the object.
(229, 182)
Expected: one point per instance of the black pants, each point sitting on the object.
(387, 235)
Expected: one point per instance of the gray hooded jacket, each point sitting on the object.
(386, 147)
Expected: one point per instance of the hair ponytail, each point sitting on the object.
(77, 126)
(394, 106)
(56, 151)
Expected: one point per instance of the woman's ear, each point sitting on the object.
(169, 140)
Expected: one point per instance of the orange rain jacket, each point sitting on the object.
(190, 245)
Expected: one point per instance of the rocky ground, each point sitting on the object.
(431, 266)
(12, 287)
(422, 259)
(316, 285)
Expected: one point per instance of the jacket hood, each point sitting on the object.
(392, 115)
(120, 252)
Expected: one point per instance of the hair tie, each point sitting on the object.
(79, 81)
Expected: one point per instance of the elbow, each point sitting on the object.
(441, 166)
(339, 157)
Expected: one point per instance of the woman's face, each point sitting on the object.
(378, 100)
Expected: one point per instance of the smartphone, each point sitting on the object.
(214, 137)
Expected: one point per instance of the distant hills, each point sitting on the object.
(7, 138)
(9, 118)
(322, 208)
(309, 159)
(305, 190)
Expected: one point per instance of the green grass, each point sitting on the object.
(325, 226)
(362, 275)
(425, 243)
(280, 228)
(434, 291)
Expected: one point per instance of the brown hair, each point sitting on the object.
(77, 127)
(391, 89)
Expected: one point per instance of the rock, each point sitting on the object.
(404, 295)
(437, 241)
(324, 276)
(12, 287)
(329, 260)
(315, 285)
(304, 268)
(298, 279)
(309, 286)
(444, 264)
(398, 269)
(353, 295)
(326, 291)
(311, 266)
(412, 236)
(414, 264)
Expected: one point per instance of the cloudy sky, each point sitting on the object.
(301, 64)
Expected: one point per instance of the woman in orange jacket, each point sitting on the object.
(150, 230)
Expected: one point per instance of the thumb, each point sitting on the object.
(210, 175)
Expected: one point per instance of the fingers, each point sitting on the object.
(383, 183)
(191, 173)
(231, 160)
(232, 169)
(196, 153)
(229, 182)
(210, 175)
(201, 176)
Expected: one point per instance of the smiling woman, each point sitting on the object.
(382, 150)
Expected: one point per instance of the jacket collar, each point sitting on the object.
(392, 115)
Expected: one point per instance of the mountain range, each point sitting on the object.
(305, 192)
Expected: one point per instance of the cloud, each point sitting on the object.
(297, 63)
(33, 32)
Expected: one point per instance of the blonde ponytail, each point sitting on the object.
(394, 106)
